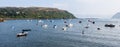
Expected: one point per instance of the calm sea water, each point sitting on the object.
(51, 37)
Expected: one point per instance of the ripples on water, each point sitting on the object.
(56, 37)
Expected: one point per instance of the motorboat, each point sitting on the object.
(109, 25)
(22, 34)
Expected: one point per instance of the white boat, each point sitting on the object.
(64, 28)
(70, 25)
(45, 26)
(22, 34)
(40, 21)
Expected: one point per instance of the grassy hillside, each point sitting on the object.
(34, 13)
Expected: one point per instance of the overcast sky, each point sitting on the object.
(80, 8)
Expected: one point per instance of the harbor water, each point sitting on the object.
(75, 36)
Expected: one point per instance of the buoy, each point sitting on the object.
(87, 27)
(89, 20)
(65, 21)
(66, 25)
(80, 21)
(98, 29)
(93, 22)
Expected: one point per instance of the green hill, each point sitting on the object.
(34, 13)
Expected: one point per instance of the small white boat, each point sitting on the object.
(64, 28)
(70, 25)
(45, 26)
(40, 21)
(22, 34)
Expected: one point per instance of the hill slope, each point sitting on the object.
(34, 13)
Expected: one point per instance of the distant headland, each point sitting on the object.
(116, 16)
(34, 13)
